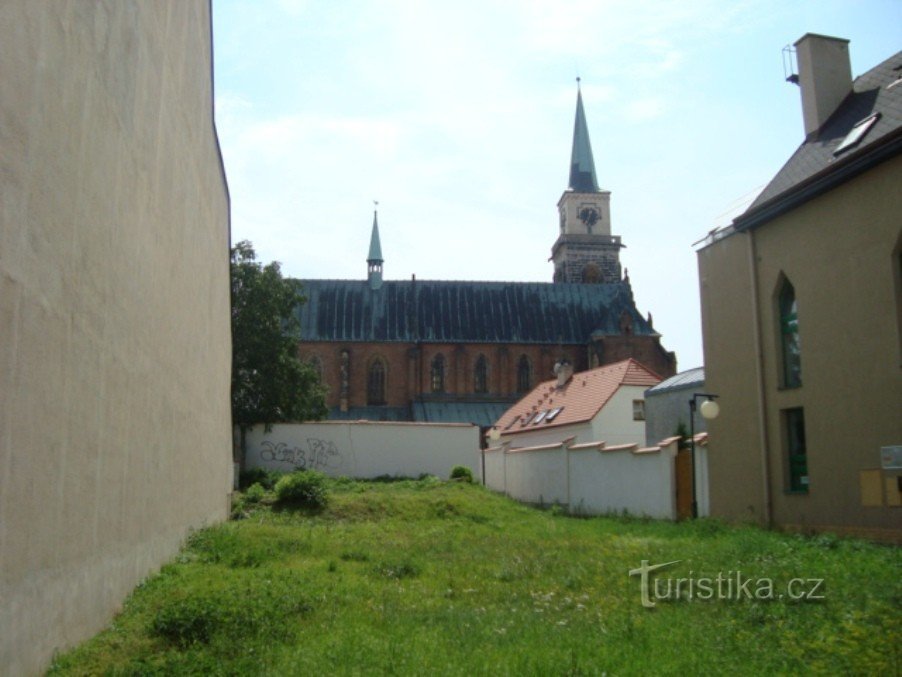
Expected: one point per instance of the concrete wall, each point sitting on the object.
(590, 479)
(841, 251)
(114, 309)
(366, 449)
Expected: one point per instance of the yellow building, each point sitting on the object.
(802, 317)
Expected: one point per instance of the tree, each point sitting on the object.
(270, 384)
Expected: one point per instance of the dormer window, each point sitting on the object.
(856, 134)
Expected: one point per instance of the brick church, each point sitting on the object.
(463, 351)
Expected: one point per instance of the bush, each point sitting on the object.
(461, 473)
(265, 478)
(254, 493)
(305, 488)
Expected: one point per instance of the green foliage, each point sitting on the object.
(254, 493)
(303, 489)
(265, 478)
(269, 383)
(683, 433)
(394, 577)
(462, 473)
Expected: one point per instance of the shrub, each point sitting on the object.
(265, 478)
(254, 493)
(305, 488)
(461, 473)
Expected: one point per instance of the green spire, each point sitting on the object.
(582, 166)
(374, 260)
(375, 246)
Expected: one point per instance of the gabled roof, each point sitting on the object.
(466, 312)
(578, 401)
(819, 164)
(582, 164)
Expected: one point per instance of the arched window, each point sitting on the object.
(591, 273)
(790, 351)
(317, 365)
(438, 373)
(524, 375)
(481, 375)
(375, 382)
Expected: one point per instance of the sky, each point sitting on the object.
(457, 117)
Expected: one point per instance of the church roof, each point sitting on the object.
(465, 312)
(828, 158)
(582, 165)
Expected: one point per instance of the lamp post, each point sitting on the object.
(709, 410)
(494, 435)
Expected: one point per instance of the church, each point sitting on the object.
(464, 351)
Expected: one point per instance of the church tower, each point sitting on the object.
(585, 250)
(374, 260)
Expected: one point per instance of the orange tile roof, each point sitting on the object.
(578, 401)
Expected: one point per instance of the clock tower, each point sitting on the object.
(585, 250)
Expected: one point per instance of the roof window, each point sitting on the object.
(551, 414)
(857, 133)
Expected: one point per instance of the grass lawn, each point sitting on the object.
(429, 577)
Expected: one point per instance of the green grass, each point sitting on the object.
(425, 577)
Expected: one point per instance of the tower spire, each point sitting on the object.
(582, 166)
(374, 260)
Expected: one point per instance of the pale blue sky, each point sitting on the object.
(457, 117)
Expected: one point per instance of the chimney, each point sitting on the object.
(825, 76)
(563, 370)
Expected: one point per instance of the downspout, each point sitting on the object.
(759, 373)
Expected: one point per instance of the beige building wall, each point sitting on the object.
(841, 253)
(114, 309)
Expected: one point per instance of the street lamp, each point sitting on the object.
(709, 410)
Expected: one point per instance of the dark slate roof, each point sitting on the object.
(691, 378)
(814, 160)
(465, 312)
(483, 414)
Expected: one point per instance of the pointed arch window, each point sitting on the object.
(438, 373)
(481, 375)
(375, 383)
(790, 350)
(524, 374)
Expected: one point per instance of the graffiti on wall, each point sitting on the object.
(318, 454)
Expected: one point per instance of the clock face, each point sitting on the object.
(589, 216)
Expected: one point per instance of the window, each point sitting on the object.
(375, 383)
(639, 410)
(481, 375)
(591, 273)
(438, 373)
(857, 133)
(794, 426)
(790, 351)
(524, 376)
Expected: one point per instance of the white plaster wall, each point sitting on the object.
(614, 423)
(581, 432)
(494, 469)
(614, 481)
(114, 309)
(366, 449)
(537, 476)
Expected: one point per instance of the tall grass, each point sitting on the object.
(427, 577)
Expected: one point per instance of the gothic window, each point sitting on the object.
(796, 452)
(481, 375)
(375, 383)
(317, 365)
(438, 374)
(790, 352)
(524, 374)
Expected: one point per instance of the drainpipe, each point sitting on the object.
(759, 373)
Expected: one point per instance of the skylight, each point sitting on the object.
(857, 133)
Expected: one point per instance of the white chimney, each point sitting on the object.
(563, 370)
(825, 76)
